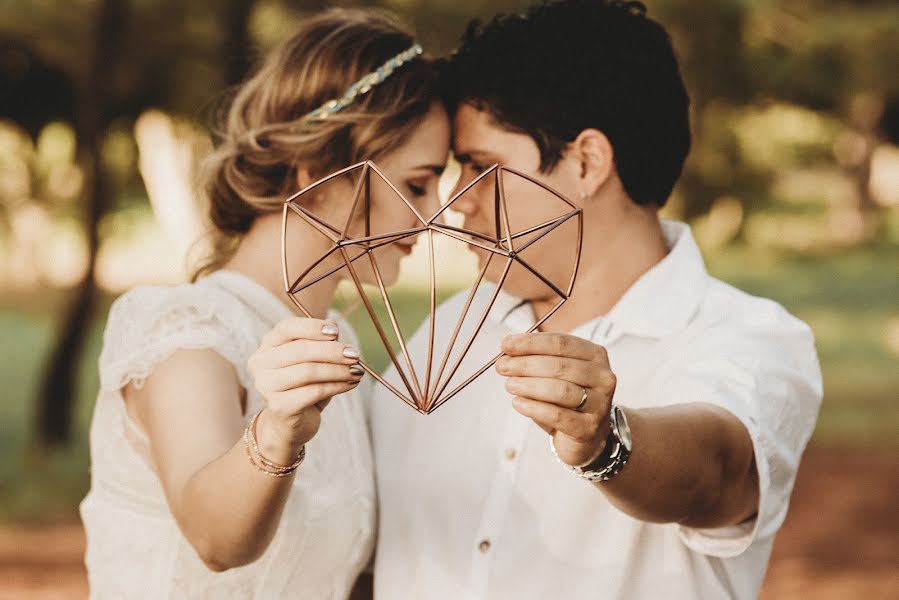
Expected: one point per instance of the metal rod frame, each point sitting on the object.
(428, 398)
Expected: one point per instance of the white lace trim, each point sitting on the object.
(149, 324)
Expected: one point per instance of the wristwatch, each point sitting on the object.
(613, 457)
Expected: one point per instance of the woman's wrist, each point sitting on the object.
(277, 441)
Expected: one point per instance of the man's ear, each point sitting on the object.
(597, 159)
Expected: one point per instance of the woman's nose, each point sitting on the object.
(433, 204)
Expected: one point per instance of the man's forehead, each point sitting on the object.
(475, 130)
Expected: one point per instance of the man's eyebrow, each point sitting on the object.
(467, 156)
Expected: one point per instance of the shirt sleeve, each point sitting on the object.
(769, 378)
(149, 324)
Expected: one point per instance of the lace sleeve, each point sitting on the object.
(149, 324)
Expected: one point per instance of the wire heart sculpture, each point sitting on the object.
(354, 237)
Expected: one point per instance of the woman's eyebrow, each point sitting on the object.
(436, 169)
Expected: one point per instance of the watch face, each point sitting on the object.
(621, 428)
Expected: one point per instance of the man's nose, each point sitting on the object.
(466, 203)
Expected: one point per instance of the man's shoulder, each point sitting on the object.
(725, 301)
(731, 315)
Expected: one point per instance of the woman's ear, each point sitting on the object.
(597, 159)
(304, 178)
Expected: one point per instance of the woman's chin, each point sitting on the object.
(389, 275)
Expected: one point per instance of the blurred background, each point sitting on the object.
(792, 189)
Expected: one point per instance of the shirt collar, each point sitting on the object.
(665, 298)
(662, 301)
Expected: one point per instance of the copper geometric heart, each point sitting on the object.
(356, 242)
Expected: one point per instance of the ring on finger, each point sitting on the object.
(583, 402)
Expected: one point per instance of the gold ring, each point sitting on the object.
(583, 403)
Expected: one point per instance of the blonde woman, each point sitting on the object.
(220, 466)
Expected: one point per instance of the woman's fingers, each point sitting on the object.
(298, 368)
(305, 351)
(294, 401)
(305, 374)
(300, 328)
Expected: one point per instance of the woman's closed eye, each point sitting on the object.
(416, 189)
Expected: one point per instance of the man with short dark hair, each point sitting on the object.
(643, 443)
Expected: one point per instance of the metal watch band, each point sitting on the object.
(609, 463)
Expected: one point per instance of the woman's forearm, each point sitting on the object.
(230, 510)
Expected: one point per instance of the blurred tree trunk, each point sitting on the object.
(865, 114)
(238, 44)
(55, 403)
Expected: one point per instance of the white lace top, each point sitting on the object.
(134, 546)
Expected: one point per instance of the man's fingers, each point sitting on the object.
(544, 389)
(552, 344)
(300, 328)
(579, 426)
(580, 372)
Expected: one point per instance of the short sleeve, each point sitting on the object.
(149, 324)
(768, 377)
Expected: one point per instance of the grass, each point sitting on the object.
(847, 298)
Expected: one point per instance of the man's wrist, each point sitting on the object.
(613, 456)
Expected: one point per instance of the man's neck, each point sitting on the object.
(621, 247)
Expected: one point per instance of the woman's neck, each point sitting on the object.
(258, 257)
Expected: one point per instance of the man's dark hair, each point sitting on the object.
(570, 65)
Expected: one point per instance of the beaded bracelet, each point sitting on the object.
(261, 463)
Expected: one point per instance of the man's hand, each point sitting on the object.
(548, 373)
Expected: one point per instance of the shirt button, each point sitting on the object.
(484, 546)
(510, 454)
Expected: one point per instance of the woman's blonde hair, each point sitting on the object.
(264, 138)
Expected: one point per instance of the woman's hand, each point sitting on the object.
(549, 374)
(298, 368)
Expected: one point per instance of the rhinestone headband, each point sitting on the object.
(364, 85)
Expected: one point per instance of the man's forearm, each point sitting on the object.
(691, 464)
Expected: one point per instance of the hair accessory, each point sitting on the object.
(364, 85)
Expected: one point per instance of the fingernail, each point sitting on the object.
(357, 370)
(351, 353)
(513, 386)
(329, 330)
(501, 366)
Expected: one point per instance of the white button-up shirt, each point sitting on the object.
(473, 504)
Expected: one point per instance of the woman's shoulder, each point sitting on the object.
(149, 323)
